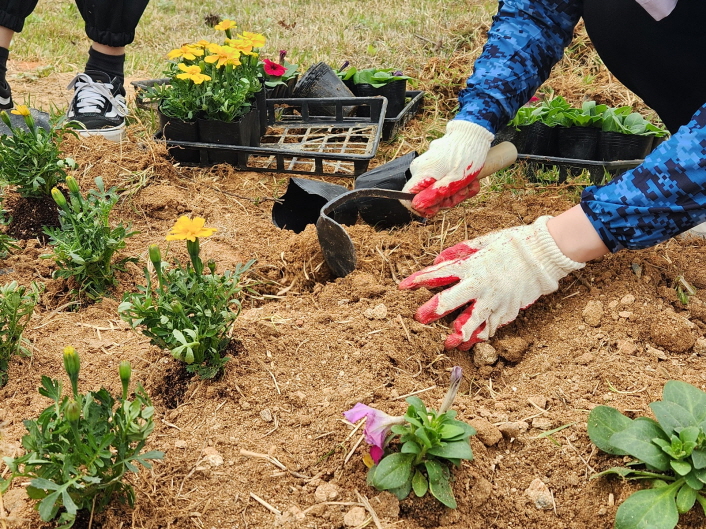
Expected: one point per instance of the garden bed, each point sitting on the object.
(309, 348)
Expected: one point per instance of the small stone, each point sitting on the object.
(212, 456)
(628, 299)
(626, 347)
(626, 314)
(484, 354)
(585, 359)
(290, 517)
(179, 443)
(378, 312)
(355, 517)
(512, 349)
(245, 404)
(266, 415)
(512, 430)
(700, 346)
(317, 509)
(539, 493)
(593, 313)
(538, 400)
(486, 433)
(326, 492)
(542, 423)
(661, 355)
(672, 332)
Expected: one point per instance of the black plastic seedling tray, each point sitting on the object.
(596, 168)
(297, 142)
(392, 125)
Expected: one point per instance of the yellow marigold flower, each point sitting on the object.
(192, 73)
(187, 51)
(224, 55)
(203, 43)
(225, 25)
(257, 40)
(21, 110)
(242, 45)
(188, 229)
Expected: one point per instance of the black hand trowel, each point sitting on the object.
(336, 244)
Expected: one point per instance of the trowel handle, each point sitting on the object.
(499, 157)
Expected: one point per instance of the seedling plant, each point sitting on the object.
(185, 310)
(670, 453)
(415, 452)
(85, 244)
(79, 450)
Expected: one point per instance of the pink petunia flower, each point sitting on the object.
(377, 426)
(274, 69)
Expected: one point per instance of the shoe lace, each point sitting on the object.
(90, 95)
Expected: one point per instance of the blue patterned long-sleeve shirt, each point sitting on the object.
(664, 196)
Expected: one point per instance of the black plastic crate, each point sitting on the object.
(392, 125)
(297, 142)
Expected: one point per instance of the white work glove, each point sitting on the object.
(446, 174)
(496, 275)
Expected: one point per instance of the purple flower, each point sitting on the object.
(282, 55)
(344, 66)
(454, 384)
(398, 73)
(377, 425)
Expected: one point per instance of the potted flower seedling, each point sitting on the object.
(668, 453)
(577, 132)
(626, 135)
(212, 92)
(280, 77)
(387, 82)
(414, 452)
(534, 136)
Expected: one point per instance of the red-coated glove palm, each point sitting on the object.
(447, 173)
(495, 276)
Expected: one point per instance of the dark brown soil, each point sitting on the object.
(30, 215)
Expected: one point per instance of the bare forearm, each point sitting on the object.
(575, 236)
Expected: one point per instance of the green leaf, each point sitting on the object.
(47, 507)
(403, 491)
(457, 450)
(672, 416)
(680, 467)
(449, 431)
(603, 423)
(698, 457)
(686, 497)
(393, 471)
(420, 485)
(636, 440)
(417, 404)
(690, 398)
(649, 509)
(439, 483)
(410, 447)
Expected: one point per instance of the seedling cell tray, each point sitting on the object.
(392, 125)
(596, 168)
(297, 142)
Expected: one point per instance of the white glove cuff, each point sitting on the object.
(554, 262)
(469, 133)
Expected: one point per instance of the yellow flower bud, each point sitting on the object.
(72, 364)
(58, 197)
(72, 411)
(72, 184)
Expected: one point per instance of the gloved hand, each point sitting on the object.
(446, 174)
(498, 274)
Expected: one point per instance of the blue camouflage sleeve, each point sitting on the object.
(661, 198)
(526, 39)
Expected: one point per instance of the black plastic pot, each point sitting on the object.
(382, 213)
(302, 202)
(395, 92)
(579, 143)
(179, 130)
(537, 138)
(244, 131)
(320, 81)
(261, 107)
(282, 90)
(507, 133)
(614, 146)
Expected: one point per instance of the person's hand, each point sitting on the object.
(446, 174)
(496, 275)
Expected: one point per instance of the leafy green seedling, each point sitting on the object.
(672, 450)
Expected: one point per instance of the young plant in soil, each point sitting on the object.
(17, 304)
(429, 441)
(85, 244)
(7, 243)
(187, 311)
(80, 448)
(31, 162)
(670, 453)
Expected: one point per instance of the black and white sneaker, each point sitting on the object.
(99, 105)
(5, 96)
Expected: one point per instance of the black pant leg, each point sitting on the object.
(663, 62)
(111, 22)
(14, 12)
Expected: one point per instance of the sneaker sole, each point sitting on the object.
(115, 134)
